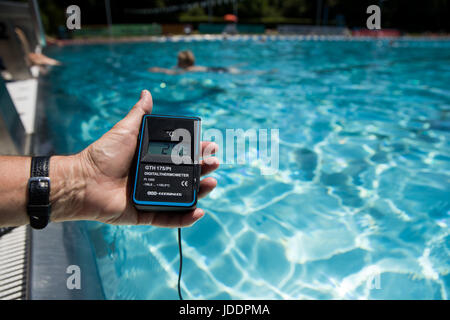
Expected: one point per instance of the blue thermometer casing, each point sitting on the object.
(166, 173)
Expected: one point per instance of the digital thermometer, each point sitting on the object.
(167, 169)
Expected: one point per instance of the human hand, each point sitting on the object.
(100, 178)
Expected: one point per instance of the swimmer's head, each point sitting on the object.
(185, 59)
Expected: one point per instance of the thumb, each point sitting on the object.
(133, 119)
(145, 102)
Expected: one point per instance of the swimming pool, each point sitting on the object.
(359, 208)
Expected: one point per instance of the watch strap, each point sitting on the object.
(39, 166)
(38, 207)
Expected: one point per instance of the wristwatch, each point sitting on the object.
(38, 206)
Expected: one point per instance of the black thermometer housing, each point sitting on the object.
(167, 168)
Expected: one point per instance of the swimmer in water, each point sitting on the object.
(186, 63)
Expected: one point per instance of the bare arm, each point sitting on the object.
(14, 173)
(163, 70)
(92, 185)
(67, 183)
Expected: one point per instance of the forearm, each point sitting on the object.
(66, 188)
(14, 174)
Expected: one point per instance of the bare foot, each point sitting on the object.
(40, 60)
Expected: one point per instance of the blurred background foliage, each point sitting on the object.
(406, 15)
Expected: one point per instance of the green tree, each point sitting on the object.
(258, 9)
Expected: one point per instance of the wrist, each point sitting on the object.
(68, 187)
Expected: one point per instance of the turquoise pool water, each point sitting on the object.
(360, 206)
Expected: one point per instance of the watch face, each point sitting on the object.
(43, 184)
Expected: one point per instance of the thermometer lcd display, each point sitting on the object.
(162, 148)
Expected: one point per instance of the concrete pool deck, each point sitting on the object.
(20, 103)
(15, 245)
(24, 95)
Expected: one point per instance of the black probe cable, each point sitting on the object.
(181, 264)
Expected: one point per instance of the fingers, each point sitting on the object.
(209, 148)
(133, 119)
(178, 220)
(206, 186)
(171, 219)
(209, 165)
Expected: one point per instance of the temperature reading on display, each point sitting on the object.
(163, 148)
